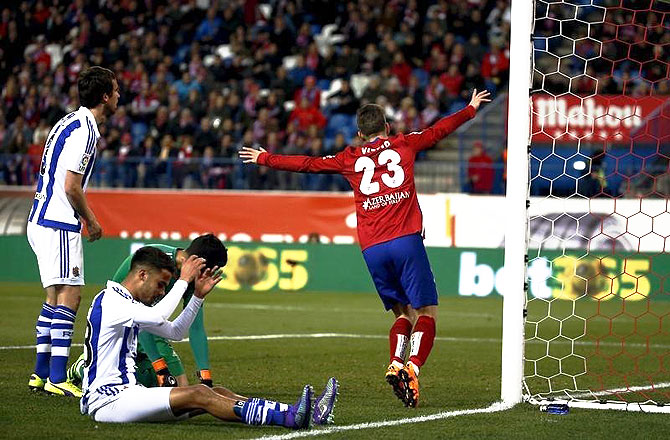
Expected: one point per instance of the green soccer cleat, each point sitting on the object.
(36, 383)
(75, 374)
(62, 389)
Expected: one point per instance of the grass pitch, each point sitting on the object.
(463, 372)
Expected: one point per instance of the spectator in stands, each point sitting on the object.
(480, 170)
(305, 115)
(300, 71)
(343, 101)
(495, 66)
(127, 162)
(372, 90)
(346, 62)
(473, 80)
(401, 69)
(204, 136)
(209, 27)
(310, 92)
(185, 85)
(452, 80)
(158, 51)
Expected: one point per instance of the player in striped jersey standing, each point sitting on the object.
(55, 223)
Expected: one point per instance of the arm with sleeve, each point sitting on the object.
(430, 136)
(155, 319)
(304, 164)
(79, 149)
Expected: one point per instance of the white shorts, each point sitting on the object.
(138, 404)
(60, 256)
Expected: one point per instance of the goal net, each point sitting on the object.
(597, 310)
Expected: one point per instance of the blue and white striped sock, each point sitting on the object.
(261, 412)
(43, 333)
(62, 326)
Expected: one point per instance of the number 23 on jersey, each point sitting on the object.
(393, 178)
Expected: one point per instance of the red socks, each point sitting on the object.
(398, 338)
(422, 340)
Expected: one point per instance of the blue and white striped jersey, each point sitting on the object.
(113, 322)
(70, 146)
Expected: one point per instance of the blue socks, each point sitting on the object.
(62, 328)
(43, 333)
(261, 412)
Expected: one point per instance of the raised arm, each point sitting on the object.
(177, 329)
(430, 136)
(301, 164)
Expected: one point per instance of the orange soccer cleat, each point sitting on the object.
(410, 382)
(393, 378)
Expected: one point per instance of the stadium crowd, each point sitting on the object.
(201, 78)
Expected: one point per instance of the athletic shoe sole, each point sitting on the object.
(398, 386)
(410, 399)
(36, 384)
(55, 390)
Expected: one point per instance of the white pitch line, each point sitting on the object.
(361, 336)
(495, 407)
(293, 336)
(247, 306)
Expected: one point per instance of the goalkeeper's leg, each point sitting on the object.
(173, 361)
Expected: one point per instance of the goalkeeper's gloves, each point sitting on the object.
(163, 375)
(205, 377)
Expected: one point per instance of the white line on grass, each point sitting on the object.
(359, 336)
(246, 306)
(496, 407)
(292, 336)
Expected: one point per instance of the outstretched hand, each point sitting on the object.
(478, 98)
(250, 155)
(206, 281)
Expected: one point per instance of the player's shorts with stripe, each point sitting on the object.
(137, 404)
(401, 272)
(59, 254)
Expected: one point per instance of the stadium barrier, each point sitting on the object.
(255, 267)
(449, 219)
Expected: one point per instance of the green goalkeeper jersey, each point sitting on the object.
(197, 335)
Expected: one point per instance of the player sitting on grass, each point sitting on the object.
(389, 223)
(118, 312)
(158, 364)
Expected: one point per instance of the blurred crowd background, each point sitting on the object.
(199, 79)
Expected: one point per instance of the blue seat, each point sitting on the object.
(336, 123)
(422, 76)
(323, 84)
(138, 131)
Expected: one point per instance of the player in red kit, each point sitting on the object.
(381, 174)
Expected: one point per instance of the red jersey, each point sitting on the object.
(381, 173)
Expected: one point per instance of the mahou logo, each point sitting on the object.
(601, 117)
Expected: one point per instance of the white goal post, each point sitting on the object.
(586, 309)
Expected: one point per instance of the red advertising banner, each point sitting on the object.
(600, 118)
(235, 216)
